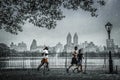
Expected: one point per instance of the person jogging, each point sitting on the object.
(74, 59)
(80, 57)
(44, 59)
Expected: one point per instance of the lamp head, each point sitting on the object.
(108, 26)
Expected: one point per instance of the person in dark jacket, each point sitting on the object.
(80, 57)
(74, 59)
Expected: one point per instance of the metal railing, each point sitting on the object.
(54, 62)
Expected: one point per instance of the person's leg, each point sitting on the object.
(47, 66)
(81, 67)
(69, 67)
(40, 65)
(76, 68)
(78, 65)
(42, 62)
(47, 63)
(72, 63)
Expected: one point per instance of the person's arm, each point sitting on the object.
(42, 54)
(46, 54)
(73, 54)
(82, 56)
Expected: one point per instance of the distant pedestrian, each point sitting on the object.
(44, 59)
(74, 58)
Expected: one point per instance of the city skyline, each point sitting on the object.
(71, 42)
(28, 47)
(41, 44)
(88, 28)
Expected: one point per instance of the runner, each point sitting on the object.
(80, 57)
(44, 59)
(74, 59)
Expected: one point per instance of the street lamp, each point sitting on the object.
(108, 28)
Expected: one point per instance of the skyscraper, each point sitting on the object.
(69, 39)
(33, 45)
(69, 47)
(75, 39)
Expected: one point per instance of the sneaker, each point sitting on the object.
(48, 69)
(78, 71)
(38, 69)
(74, 71)
(67, 70)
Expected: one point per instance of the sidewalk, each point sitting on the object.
(55, 74)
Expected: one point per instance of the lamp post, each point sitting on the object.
(108, 28)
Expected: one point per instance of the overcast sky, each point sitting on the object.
(88, 28)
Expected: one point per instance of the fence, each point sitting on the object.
(93, 63)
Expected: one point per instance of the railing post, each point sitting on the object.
(23, 62)
(85, 62)
(116, 69)
(66, 61)
(110, 63)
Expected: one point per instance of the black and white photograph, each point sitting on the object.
(59, 39)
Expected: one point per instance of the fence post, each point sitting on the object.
(85, 63)
(23, 62)
(66, 61)
(116, 69)
(105, 62)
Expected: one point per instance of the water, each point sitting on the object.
(54, 62)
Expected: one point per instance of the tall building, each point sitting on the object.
(69, 47)
(33, 45)
(75, 39)
(69, 39)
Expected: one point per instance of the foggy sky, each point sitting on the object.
(88, 28)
